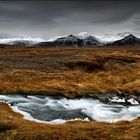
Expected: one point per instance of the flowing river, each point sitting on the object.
(58, 110)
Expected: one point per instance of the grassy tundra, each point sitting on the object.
(70, 72)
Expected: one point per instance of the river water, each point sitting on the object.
(58, 110)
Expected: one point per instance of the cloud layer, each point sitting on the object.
(51, 18)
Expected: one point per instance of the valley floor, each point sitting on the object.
(71, 72)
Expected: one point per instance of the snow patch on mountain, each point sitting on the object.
(112, 37)
(83, 35)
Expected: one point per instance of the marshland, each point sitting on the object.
(70, 73)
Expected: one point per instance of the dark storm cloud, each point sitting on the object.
(50, 18)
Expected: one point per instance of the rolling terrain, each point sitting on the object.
(69, 72)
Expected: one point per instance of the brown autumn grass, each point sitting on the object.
(70, 71)
(14, 127)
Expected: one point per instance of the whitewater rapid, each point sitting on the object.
(58, 110)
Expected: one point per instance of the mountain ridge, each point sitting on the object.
(82, 39)
(128, 40)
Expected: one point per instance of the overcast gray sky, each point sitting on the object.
(50, 18)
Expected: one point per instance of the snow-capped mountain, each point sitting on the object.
(82, 39)
(72, 40)
(69, 40)
(128, 40)
(88, 39)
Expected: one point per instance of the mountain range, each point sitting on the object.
(79, 40)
